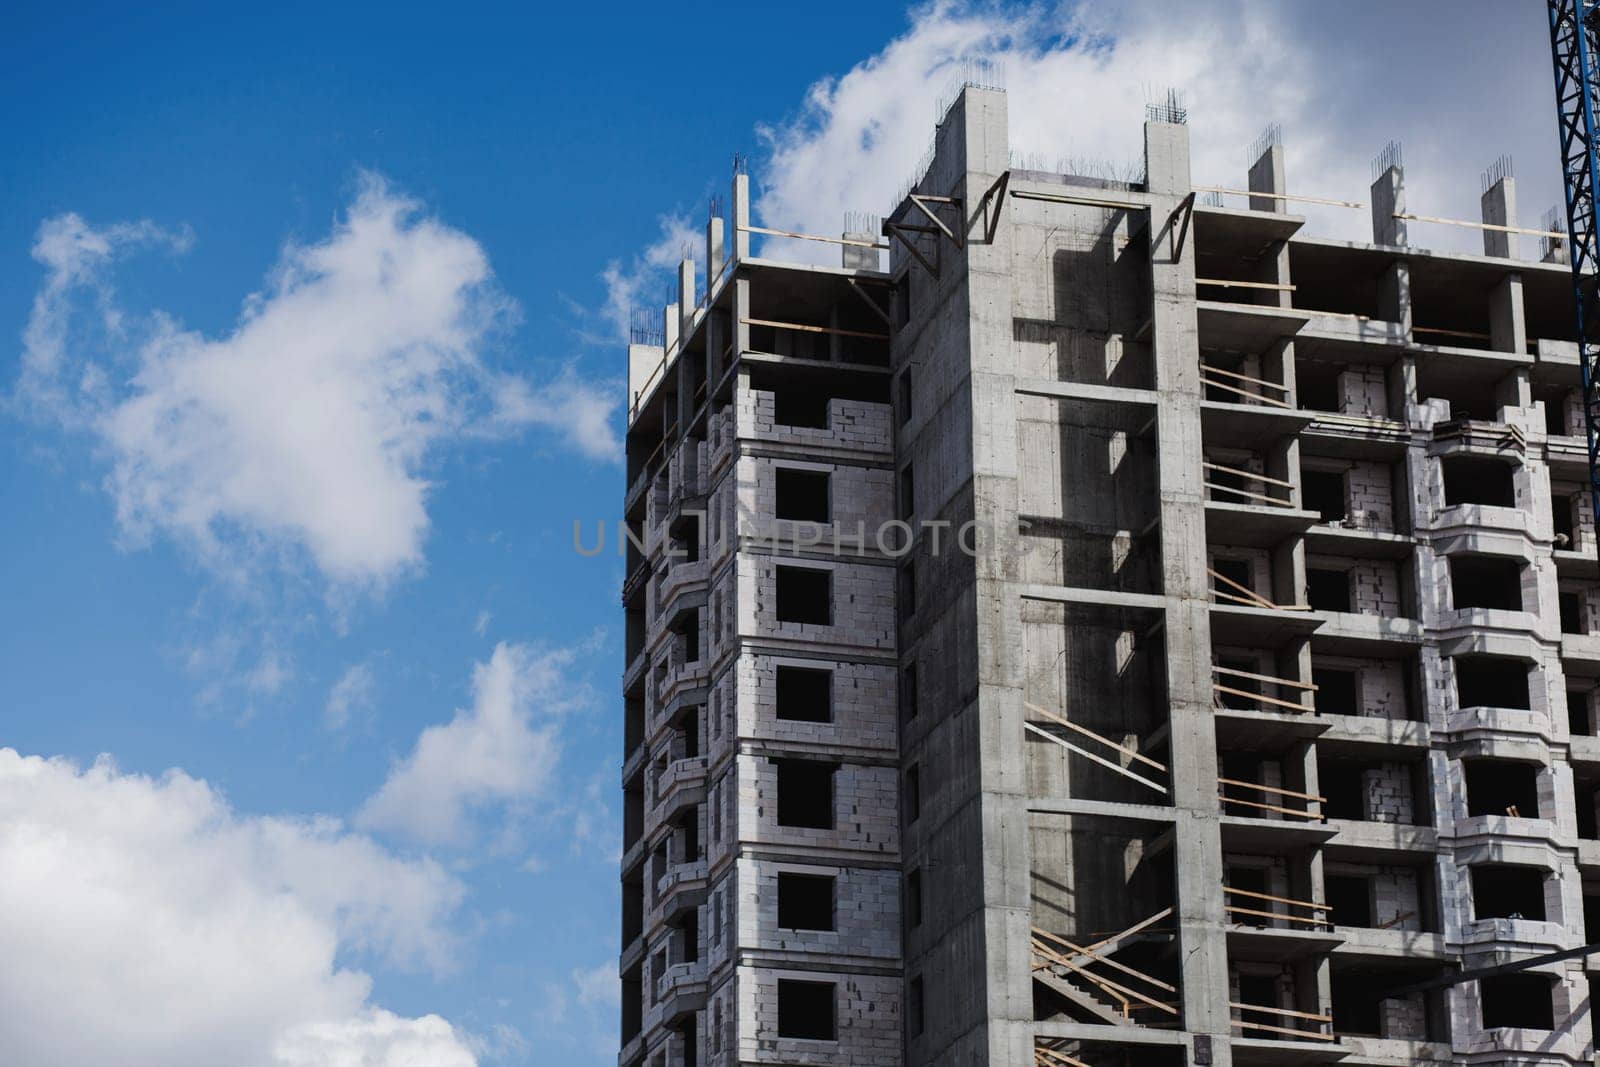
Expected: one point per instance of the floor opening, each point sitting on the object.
(1503, 891)
(805, 595)
(805, 793)
(1475, 480)
(805, 901)
(802, 496)
(1502, 787)
(805, 694)
(1486, 582)
(806, 1010)
(1491, 682)
(1517, 1000)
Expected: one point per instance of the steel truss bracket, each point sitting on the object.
(993, 199)
(922, 203)
(899, 230)
(1186, 209)
(871, 303)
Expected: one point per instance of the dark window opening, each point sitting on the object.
(802, 496)
(1343, 783)
(914, 899)
(1555, 415)
(1356, 1006)
(805, 793)
(1247, 880)
(1320, 393)
(1578, 714)
(805, 901)
(1501, 787)
(908, 493)
(1328, 590)
(1491, 682)
(1350, 898)
(913, 793)
(1472, 480)
(805, 694)
(906, 598)
(1501, 891)
(1240, 697)
(691, 1046)
(914, 1008)
(902, 300)
(1234, 578)
(794, 404)
(1571, 605)
(1259, 989)
(805, 595)
(1561, 507)
(905, 396)
(1324, 493)
(691, 935)
(1336, 691)
(1517, 1000)
(1486, 582)
(1591, 918)
(632, 1004)
(805, 1010)
(690, 633)
(908, 691)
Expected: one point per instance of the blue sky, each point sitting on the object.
(231, 238)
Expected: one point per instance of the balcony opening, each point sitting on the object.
(1571, 608)
(805, 901)
(908, 692)
(632, 905)
(632, 1004)
(632, 813)
(905, 396)
(1260, 989)
(1486, 582)
(1328, 589)
(1324, 492)
(689, 636)
(1350, 902)
(805, 694)
(1555, 413)
(914, 1007)
(691, 1045)
(1519, 1000)
(908, 493)
(802, 496)
(914, 899)
(1491, 682)
(1502, 787)
(1251, 883)
(805, 595)
(1337, 692)
(1591, 917)
(1501, 891)
(1356, 1006)
(1239, 573)
(689, 826)
(690, 928)
(1318, 392)
(800, 405)
(906, 591)
(913, 798)
(1248, 688)
(1474, 480)
(632, 723)
(805, 793)
(1343, 783)
(806, 1010)
(1578, 720)
(1561, 514)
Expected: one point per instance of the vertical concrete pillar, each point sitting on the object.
(670, 322)
(1508, 327)
(1198, 840)
(1267, 176)
(1394, 289)
(740, 217)
(688, 301)
(714, 253)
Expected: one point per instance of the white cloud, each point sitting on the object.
(352, 694)
(144, 922)
(308, 428)
(644, 281)
(503, 749)
(598, 986)
(1078, 76)
(481, 625)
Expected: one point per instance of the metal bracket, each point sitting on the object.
(1186, 206)
(871, 303)
(994, 196)
(898, 230)
(921, 202)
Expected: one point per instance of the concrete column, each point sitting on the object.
(1389, 197)
(687, 300)
(1267, 176)
(1198, 841)
(740, 217)
(1508, 327)
(670, 321)
(714, 252)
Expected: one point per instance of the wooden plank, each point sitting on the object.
(1244, 377)
(1496, 227)
(1279, 196)
(1134, 929)
(1274, 401)
(1086, 754)
(1276, 900)
(1224, 283)
(1053, 717)
(1308, 816)
(1220, 688)
(1274, 789)
(1237, 909)
(1235, 672)
(812, 237)
(1286, 1012)
(807, 328)
(1312, 1034)
(1080, 950)
(1243, 472)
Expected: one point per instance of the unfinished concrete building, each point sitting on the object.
(1127, 629)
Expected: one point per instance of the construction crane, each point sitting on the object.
(1573, 51)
